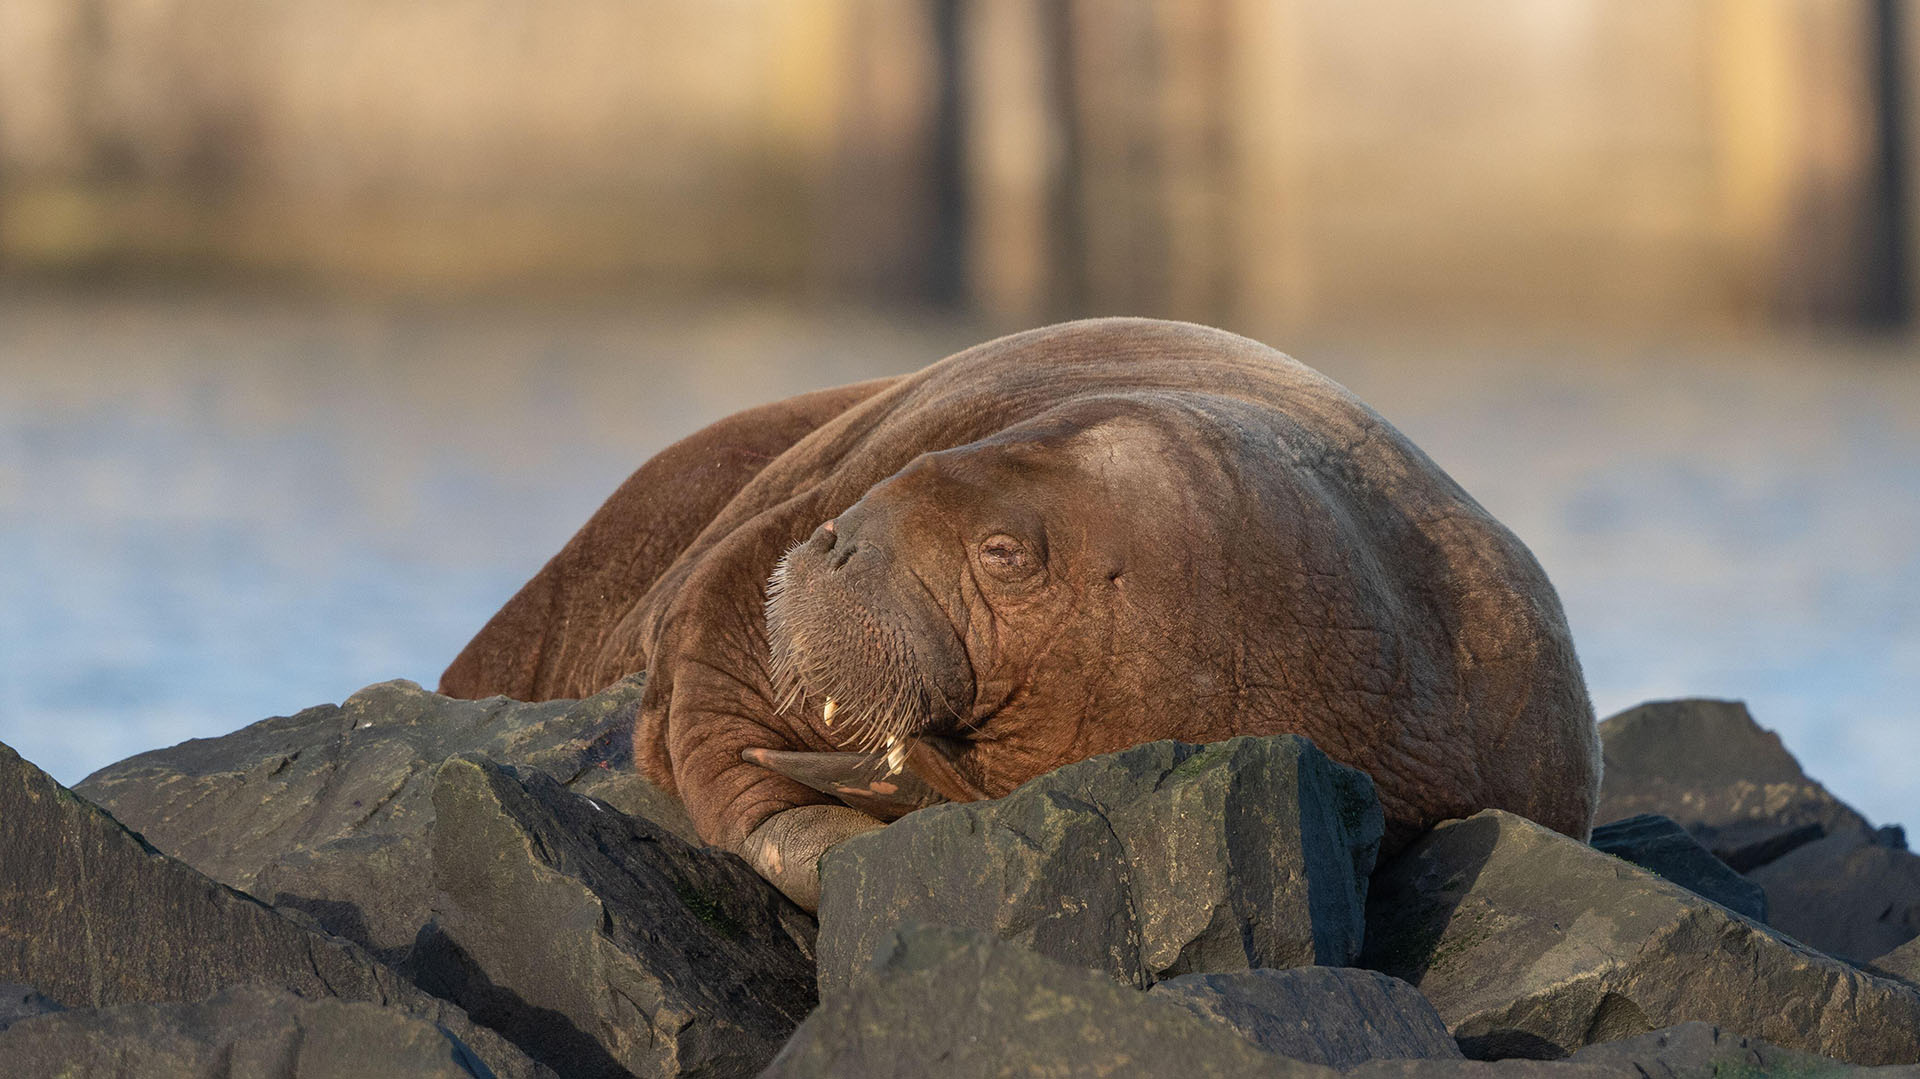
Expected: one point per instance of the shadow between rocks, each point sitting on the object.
(340, 917)
(440, 966)
(1410, 909)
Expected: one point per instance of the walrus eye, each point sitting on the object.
(1005, 557)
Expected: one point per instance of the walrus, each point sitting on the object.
(1057, 544)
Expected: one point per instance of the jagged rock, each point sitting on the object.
(249, 1031)
(1701, 1049)
(19, 1002)
(326, 811)
(93, 916)
(1845, 896)
(1532, 944)
(599, 942)
(946, 1002)
(1710, 767)
(1335, 1016)
(1902, 963)
(1159, 860)
(1659, 844)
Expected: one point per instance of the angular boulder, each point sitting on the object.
(248, 1031)
(1337, 1016)
(326, 811)
(1702, 1049)
(1707, 765)
(1531, 944)
(1156, 861)
(93, 916)
(1902, 963)
(1845, 895)
(1660, 845)
(601, 943)
(962, 1003)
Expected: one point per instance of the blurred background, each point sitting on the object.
(323, 325)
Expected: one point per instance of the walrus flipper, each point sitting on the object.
(860, 780)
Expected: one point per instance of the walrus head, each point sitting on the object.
(855, 630)
(963, 621)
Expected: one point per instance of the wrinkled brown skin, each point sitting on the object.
(1083, 537)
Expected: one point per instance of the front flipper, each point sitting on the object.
(861, 780)
(786, 848)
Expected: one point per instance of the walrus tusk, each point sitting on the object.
(858, 779)
(826, 713)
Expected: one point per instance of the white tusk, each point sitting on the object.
(896, 755)
(826, 714)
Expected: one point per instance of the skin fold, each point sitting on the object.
(1050, 546)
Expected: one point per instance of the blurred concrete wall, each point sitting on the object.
(423, 141)
(1296, 162)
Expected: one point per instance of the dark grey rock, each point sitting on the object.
(19, 1002)
(1702, 1049)
(93, 916)
(1486, 1069)
(1659, 844)
(326, 811)
(1902, 963)
(601, 943)
(1845, 896)
(946, 1002)
(1707, 765)
(249, 1031)
(1532, 944)
(1160, 860)
(1337, 1016)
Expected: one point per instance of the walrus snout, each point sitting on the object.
(858, 642)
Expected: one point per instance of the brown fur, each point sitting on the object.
(1054, 545)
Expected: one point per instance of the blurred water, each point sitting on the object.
(218, 509)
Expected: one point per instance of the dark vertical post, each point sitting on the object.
(946, 246)
(1067, 243)
(1887, 301)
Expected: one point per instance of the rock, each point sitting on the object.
(1507, 1068)
(1532, 944)
(1156, 861)
(1902, 963)
(1707, 765)
(1335, 1016)
(1702, 1049)
(326, 811)
(93, 916)
(1660, 845)
(19, 1002)
(946, 1002)
(249, 1031)
(1845, 896)
(601, 943)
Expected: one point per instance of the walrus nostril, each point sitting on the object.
(841, 554)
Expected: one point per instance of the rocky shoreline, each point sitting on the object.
(409, 885)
